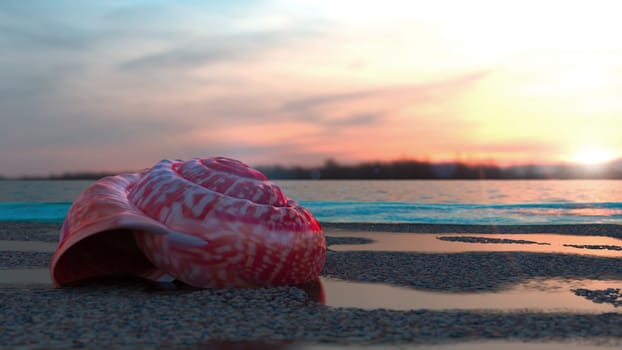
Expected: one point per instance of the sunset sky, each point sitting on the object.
(119, 85)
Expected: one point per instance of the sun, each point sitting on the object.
(593, 156)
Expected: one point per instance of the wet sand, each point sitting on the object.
(581, 230)
(373, 297)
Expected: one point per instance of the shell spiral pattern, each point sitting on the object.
(211, 222)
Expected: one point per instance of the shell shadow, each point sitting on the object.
(314, 289)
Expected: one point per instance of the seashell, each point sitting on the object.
(210, 223)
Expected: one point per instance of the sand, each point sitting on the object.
(130, 313)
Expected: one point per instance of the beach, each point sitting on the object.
(336, 312)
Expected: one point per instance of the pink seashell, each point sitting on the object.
(211, 222)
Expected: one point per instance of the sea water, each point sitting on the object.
(504, 202)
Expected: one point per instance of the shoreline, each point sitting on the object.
(571, 229)
(612, 230)
(131, 313)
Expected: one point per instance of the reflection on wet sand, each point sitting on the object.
(542, 295)
(429, 243)
(550, 295)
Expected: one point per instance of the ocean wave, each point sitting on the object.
(395, 212)
(470, 214)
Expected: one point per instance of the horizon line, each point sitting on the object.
(561, 170)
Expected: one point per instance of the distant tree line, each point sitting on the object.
(412, 169)
(408, 169)
(68, 176)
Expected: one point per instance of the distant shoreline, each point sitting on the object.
(405, 170)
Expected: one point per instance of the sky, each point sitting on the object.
(118, 85)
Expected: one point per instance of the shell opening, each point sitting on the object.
(107, 253)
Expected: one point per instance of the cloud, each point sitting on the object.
(514, 146)
(21, 35)
(340, 112)
(358, 120)
(43, 26)
(216, 48)
(319, 100)
(185, 57)
(413, 90)
(19, 87)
